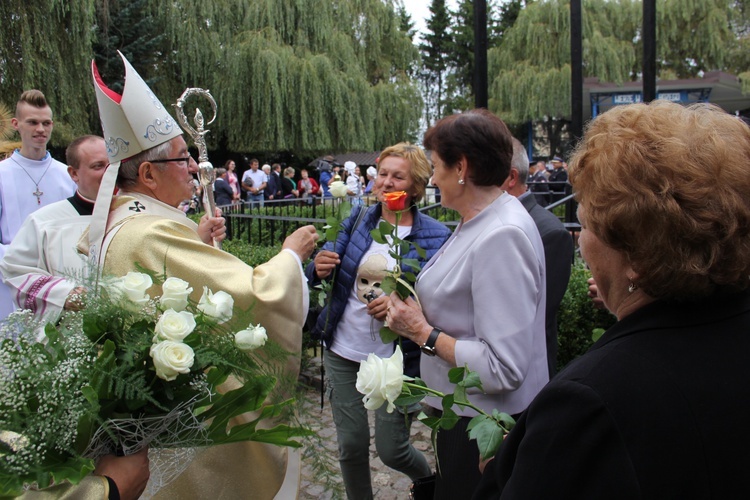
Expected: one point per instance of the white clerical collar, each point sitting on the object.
(28, 162)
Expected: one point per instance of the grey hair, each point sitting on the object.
(520, 161)
(127, 177)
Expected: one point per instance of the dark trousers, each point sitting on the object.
(458, 463)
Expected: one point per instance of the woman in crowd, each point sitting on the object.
(657, 407)
(233, 181)
(288, 186)
(482, 295)
(372, 173)
(357, 308)
(308, 187)
(353, 182)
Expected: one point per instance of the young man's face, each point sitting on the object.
(254, 166)
(34, 125)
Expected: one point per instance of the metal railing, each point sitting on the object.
(276, 219)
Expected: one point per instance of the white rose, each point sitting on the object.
(250, 338)
(218, 305)
(338, 189)
(380, 380)
(175, 293)
(174, 325)
(171, 358)
(132, 288)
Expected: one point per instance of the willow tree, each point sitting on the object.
(298, 75)
(46, 44)
(531, 67)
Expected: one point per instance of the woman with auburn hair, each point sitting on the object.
(656, 408)
(483, 295)
(350, 323)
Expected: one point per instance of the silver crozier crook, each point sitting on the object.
(206, 172)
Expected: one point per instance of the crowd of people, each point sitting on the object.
(655, 408)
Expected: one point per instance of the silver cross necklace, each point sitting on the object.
(38, 193)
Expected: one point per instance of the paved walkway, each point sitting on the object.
(387, 484)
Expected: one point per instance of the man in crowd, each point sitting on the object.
(254, 181)
(144, 228)
(558, 246)
(30, 178)
(326, 176)
(538, 183)
(274, 182)
(40, 264)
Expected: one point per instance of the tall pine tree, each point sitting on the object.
(435, 50)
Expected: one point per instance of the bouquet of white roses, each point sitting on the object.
(383, 381)
(126, 372)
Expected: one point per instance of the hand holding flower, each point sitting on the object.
(325, 262)
(405, 318)
(378, 308)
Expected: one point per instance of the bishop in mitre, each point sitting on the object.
(150, 164)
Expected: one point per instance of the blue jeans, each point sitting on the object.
(255, 198)
(353, 432)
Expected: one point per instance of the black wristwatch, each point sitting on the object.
(429, 347)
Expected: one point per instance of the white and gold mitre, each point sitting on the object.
(134, 121)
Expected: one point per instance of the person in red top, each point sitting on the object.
(308, 187)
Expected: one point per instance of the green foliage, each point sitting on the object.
(288, 75)
(578, 318)
(251, 255)
(530, 69)
(435, 52)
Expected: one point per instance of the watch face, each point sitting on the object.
(430, 351)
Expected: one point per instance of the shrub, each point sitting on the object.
(577, 317)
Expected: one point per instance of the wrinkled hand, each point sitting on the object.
(594, 294)
(212, 228)
(325, 262)
(378, 308)
(76, 299)
(130, 473)
(406, 319)
(302, 241)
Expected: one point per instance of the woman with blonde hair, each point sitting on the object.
(657, 407)
(350, 323)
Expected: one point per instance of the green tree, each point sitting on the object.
(460, 81)
(435, 50)
(130, 27)
(301, 76)
(46, 44)
(530, 69)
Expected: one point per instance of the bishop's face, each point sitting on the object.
(174, 183)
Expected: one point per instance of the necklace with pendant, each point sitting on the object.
(38, 193)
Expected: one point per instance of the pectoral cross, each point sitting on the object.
(38, 193)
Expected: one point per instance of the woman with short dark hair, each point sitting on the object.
(483, 295)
